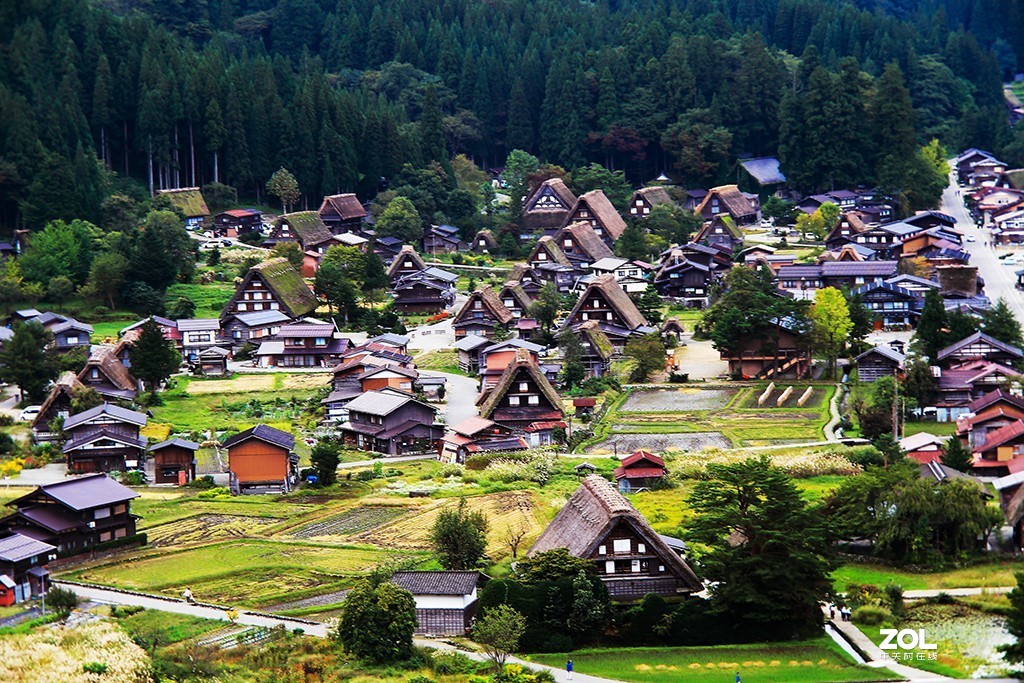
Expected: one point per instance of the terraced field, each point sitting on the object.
(202, 528)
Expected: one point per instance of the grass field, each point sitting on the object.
(250, 573)
(937, 428)
(988, 575)
(209, 299)
(812, 661)
(441, 361)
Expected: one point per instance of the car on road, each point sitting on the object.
(29, 413)
(972, 238)
(226, 243)
(1013, 260)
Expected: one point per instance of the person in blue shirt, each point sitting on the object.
(738, 677)
(568, 668)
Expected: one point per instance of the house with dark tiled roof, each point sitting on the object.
(106, 373)
(476, 435)
(960, 384)
(1002, 451)
(891, 306)
(598, 524)
(980, 346)
(765, 171)
(174, 461)
(524, 400)
(391, 423)
(23, 573)
(237, 222)
(468, 349)
(879, 361)
(686, 275)
(261, 459)
(995, 409)
(198, 334)
(306, 343)
(639, 470)
(342, 213)
(481, 315)
(191, 203)
(744, 209)
(445, 600)
(242, 328)
(605, 302)
(74, 515)
(425, 291)
(273, 285)
(104, 439)
(168, 328)
(547, 206)
(405, 263)
(646, 198)
(779, 349)
(442, 239)
(595, 209)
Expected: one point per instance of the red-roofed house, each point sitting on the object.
(1003, 451)
(641, 470)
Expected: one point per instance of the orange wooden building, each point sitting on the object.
(261, 460)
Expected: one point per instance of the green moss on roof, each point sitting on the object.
(288, 286)
(189, 200)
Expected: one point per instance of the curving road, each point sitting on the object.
(1000, 281)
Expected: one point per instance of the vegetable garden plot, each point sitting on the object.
(207, 527)
(677, 400)
(349, 522)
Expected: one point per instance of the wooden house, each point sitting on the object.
(880, 361)
(212, 362)
(399, 343)
(174, 461)
(549, 264)
(469, 348)
(546, 208)
(104, 439)
(392, 423)
(74, 515)
(891, 306)
(1002, 451)
(56, 407)
(516, 300)
(388, 376)
(960, 384)
(779, 350)
(522, 399)
(445, 600)
(600, 525)
(646, 198)
(23, 573)
(595, 209)
(198, 334)
(923, 447)
(728, 200)
(262, 460)
(168, 328)
(985, 414)
(106, 373)
(722, 233)
(673, 328)
(764, 171)
(442, 239)
(686, 277)
(302, 344)
(631, 275)
(426, 291)
(597, 348)
(481, 315)
(980, 346)
(189, 200)
(304, 228)
(639, 470)
(69, 334)
(342, 213)
(618, 317)
(242, 328)
(476, 435)
(966, 161)
(494, 358)
(273, 285)
(848, 274)
(484, 242)
(581, 245)
(405, 263)
(847, 227)
(237, 222)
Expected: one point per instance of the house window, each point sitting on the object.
(241, 307)
(320, 341)
(639, 202)
(101, 513)
(106, 536)
(602, 550)
(608, 315)
(541, 256)
(634, 566)
(641, 548)
(620, 545)
(71, 341)
(478, 305)
(508, 303)
(533, 400)
(513, 400)
(120, 532)
(609, 567)
(94, 373)
(523, 386)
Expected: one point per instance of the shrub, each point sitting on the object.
(133, 478)
(478, 462)
(449, 663)
(94, 668)
(204, 482)
(894, 594)
(420, 678)
(451, 470)
(61, 600)
(6, 420)
(871, 615)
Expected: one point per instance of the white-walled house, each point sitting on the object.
(445, 600)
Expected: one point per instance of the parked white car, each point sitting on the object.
(29, 413)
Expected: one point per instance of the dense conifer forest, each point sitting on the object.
(121, 96)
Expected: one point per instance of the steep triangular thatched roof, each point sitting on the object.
(66, 384)
(308, 227)
(585, 240)
(601, 208)
(345, 206)
(554, 252)
(523, 363)
(592, 513)
(599, 341)
(284, 282)
(106, 361)
(558, 188)
(653, 195)
(406, 252)
(731, 198)
(724, 221)
(617, 299)
(488, 239)
(189, 200)
(490, 301)
(512, 289)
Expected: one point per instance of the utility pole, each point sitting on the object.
(895, 407)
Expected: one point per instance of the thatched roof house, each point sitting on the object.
(288, 292)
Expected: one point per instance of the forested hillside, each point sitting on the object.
(342, 93)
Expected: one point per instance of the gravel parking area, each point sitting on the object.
(624, 444)
(676, 400)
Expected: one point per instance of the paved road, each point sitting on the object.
(460, 392)
(1000, 281)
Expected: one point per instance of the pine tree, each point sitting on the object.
(893, 129)
(930, 328)
(24, 361)
(999, 322)
(632, 243)
(153, 358)
(1014, 652)
(519, 134)
(431, 128)
(956, 455)
(573, 371)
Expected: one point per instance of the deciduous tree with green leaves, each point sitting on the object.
(573, 371)
(459, 537)
(377, 622)
(325, 457)
(649, 353)
(499, 631)
(401, 220)
(285, 187)
(831, 324)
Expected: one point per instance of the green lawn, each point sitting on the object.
(441, 361)
(989, 575)
(209, 299)
(812, 661)
(937, 428)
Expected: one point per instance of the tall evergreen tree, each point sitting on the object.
(153, 358)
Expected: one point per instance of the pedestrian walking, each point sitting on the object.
(188, 596)
(738, 677)
(568, 668)
(832, 611)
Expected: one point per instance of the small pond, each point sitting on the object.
(966, 638)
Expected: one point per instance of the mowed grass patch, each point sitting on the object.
(245, 572)
(157, 506)
(936, 428)
(445, 360)
(203, 404)
(988, 575)
(812, 661)
(511, 509)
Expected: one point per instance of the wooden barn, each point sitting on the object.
(174, 461)
(881, 361)
(262, 460)
(445, 600)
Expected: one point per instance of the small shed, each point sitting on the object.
(174, 461)
(880, 361)
(584, 405)
(672, 327)
(262, 460)
(213, 361)
(445, 600)
(640, 470)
